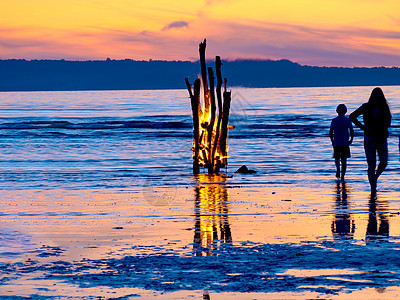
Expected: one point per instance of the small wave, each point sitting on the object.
(62, 124)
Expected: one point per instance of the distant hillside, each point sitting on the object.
(52, 75)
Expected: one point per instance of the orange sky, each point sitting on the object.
(313, 32)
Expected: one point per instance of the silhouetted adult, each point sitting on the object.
(377, 119)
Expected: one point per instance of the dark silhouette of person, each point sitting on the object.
(377, 119)
(341, 134)
(342, 226)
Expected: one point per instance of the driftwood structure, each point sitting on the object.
(210, 130)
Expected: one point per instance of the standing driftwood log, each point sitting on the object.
(218, 65)
(224, 126)
(196, 112)
(212, 121)
(210, 132)
(203, 68)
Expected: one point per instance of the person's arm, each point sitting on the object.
(389, 119)
(351, 134)
(355, 114)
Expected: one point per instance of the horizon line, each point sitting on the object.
(193, 61)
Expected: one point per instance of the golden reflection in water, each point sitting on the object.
(343, 224)
(377, 214)
(211, 214)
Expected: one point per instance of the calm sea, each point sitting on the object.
(120, 139)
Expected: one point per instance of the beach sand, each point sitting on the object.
(234, 241)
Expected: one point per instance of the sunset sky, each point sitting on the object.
(312, 32)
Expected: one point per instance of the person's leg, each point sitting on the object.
(336, 156)
(383, 158)
(370, 153)
(344, 167)
(337, 163)
(344, 157)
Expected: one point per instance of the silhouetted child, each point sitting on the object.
(341, 134)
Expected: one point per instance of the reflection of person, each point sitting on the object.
(341, 134)
(373, 231)
(377, 119)
(342, 226)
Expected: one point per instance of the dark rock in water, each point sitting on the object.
(244, 170)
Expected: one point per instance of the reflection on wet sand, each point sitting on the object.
(343, 225)
(211, 214)
(206, 295)
(378, 213)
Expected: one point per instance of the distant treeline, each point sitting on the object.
(63, 75)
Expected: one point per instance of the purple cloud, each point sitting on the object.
(341, 46)
(177, 24)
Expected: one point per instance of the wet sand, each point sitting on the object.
(234, 241)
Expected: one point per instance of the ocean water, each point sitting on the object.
(120, 139)
(98, 199)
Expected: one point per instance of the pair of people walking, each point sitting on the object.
(377, 119)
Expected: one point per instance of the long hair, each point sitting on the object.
(378, 112)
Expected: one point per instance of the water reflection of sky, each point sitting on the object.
(155, 234)
(207, 214)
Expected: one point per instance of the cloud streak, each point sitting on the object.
(308, 32)
(177, 24)
(345, 46)
(342, 47)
